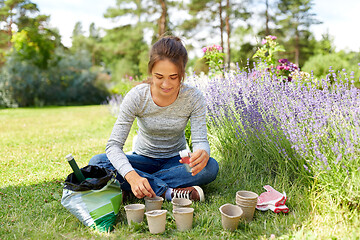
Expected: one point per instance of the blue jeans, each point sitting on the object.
(161, 173)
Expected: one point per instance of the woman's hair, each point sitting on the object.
(169, 48)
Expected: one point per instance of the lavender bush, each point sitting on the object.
(114, 102)
(290, 128)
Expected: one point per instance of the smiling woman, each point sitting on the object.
(165, 83)
(162, 108)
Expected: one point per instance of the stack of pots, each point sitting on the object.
(247, 200)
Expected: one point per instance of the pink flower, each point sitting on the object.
(263, 41)
(131, 78)
(204, 49)
(272, 37)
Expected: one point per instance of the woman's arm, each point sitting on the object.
(201, 149)
(114, 149)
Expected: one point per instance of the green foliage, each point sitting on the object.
(319, 65)
(122, 87)
(214, 58)
(295, 19)
(67, 80)
(267, 52)
(15, 16)
(91, 44)
(201, 66)
(243, 56)
(34, 47)
(124, 52)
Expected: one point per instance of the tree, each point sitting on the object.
(124, 50)
(209, 14)
(125, 46)
(296, 18)
(270, 22)
(16, 15)
(163, 20)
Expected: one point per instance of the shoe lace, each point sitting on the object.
(181, 193)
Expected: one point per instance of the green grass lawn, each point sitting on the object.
(33, 146)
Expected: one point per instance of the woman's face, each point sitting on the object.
(165, 79)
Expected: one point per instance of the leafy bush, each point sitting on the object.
(320, 65)
(67, 80)
(122, 87)
(214, 58)
(336, 66)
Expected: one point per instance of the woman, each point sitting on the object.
(162, 108)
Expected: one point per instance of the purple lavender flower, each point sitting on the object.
(321, 125)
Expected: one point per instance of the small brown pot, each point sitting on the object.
(183, 218)
(153, 203)
(230, 216)
(180, 203)
(135, 213)
(156, 220)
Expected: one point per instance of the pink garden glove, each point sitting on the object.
(282, 208)
(272, 197)
(273, 200)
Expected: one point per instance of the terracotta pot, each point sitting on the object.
(183, 218)
(153, 203)
(230, 216)
(135, 213)
(156, 221)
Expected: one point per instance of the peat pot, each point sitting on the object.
(135, 213)
(156, 220)
(180, 202)
(153, 203)
(183, 218)
(230, 216)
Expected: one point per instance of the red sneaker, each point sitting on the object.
(194, 193)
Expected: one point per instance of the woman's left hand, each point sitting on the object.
(198, 161)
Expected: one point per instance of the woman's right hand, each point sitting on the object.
(140, 186)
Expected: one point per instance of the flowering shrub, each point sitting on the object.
(214, 57)
(285, 69)
(297, 130)
(266, 52)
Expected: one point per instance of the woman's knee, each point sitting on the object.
(213, 168)
(98, 159)
(209, 173)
